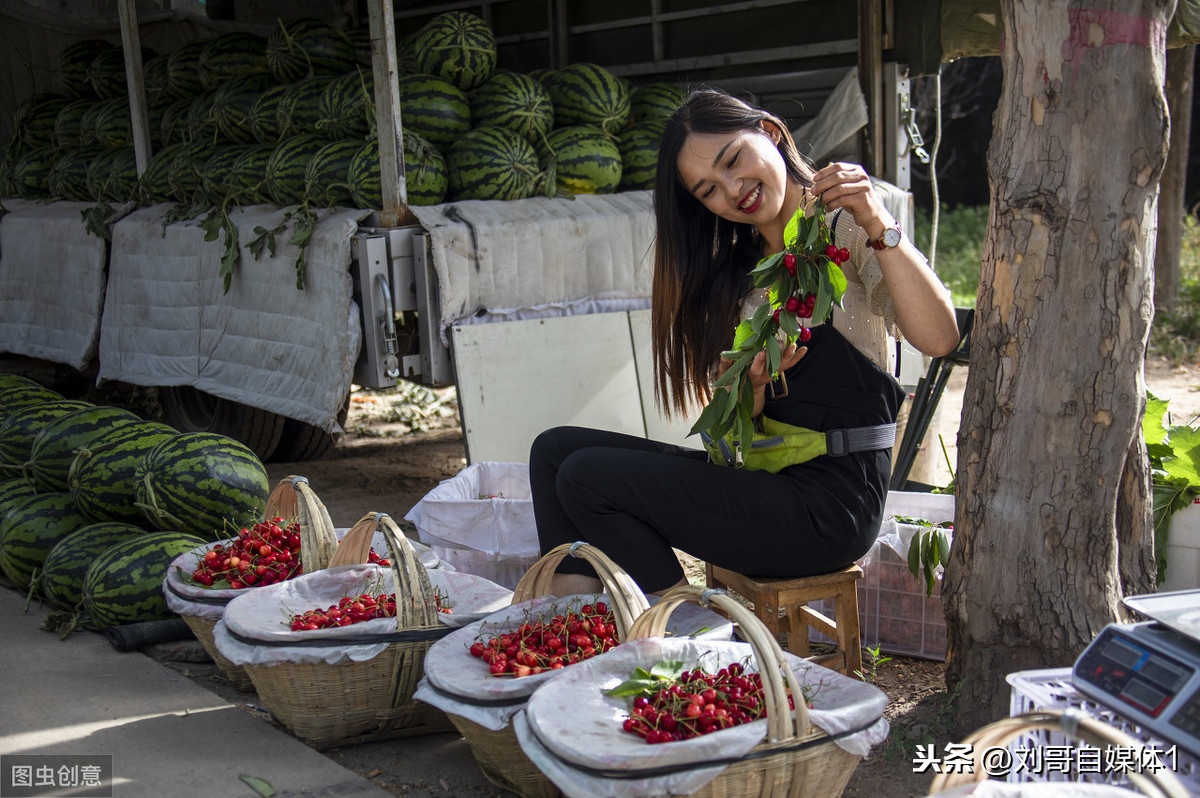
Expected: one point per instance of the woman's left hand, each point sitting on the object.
(846, 185)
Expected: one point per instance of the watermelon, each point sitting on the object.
(173, 128)
(515, 101)
(17, 392)
(425, 177)
(66, 565)
(299, 108)
(655, 102)
(360, 37)
(21, 427)
(154, 185)
(107, 72)
(325, 176)
(31, 172)
(53, 449)
(35, 117)
(492, 163)
(201, 124)
(245, 181)
(586, 160)
(302, 47)
(183, 69)
(187, 171)
(284, 176)
(458, 47)
(68, 124)
(347, 106)
(214, 175)
(74, 63)
(406, 56)
(435, 110)
(588, 94)
(263, 119)
(68, 176)
(112, 175)
(13, 489)
(29, 530)
(101, 479)
(202, 483)
(639, 156)
(156, 74)
(542, 75)
(87, 122)
(232, 55)
(113, 126)
(124, 584)
(9, 153)
(232, 103)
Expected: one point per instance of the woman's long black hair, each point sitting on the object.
(701, 261)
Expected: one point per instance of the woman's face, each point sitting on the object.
(738, 176)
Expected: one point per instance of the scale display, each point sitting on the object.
(1149, 672)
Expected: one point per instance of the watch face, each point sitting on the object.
(891, 237)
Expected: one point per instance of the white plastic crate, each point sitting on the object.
(1051, 688)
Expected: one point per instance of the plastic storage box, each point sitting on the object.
(480, 521)
(1051, 688)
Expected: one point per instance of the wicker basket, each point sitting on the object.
(353, 702)
(292, 497)
(1075, 725)
(498, 753)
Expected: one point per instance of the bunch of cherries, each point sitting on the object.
(354, 609)
(539, 645)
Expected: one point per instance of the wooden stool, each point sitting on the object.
(770, 596)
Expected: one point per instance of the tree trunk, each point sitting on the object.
(1135, 524)
(1054, 394)
(1180, 64)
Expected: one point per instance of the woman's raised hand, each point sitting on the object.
(846, 185)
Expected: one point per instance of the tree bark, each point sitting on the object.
(1180, 65)
(1054, 395)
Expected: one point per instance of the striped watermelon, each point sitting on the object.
(73, 64)
(284, 177)
(299, 108)
(187, 178)
(347, 106)
(87, 123)
(515, 101)
(156, 74)
(173, 128)
(655, 102)
(425, 178)
(639, 155)
(202, 483)
(433, 109)
(107, 72)
(31, 172)
(112, 175)
(154, 184)
(183, 69)
(263, 119)
(586, 159)
(201, 125)
(102, 479)
(542, 75)
(246, 182)
(406, 53)
(66, 566)
(325, 177)
(21, 427)
(588, 94)
(13, 489)
(35, 117)
(305, 46)
(214, 175)
(30, 529)
(68, 176)
(492, 163)
(232, 103)
(124, 584)
(17, 392)
(360, 37)
(9, 152)
(232, 55)
(113, 125)
(458, 47)
(53, 449)
(68, 124)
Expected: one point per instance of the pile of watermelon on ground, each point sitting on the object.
(289, 120)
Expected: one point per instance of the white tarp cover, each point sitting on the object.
(503, 261)
(51, 282)
(167, 320)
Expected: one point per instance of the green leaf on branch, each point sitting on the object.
(768, 263)
(774, 355)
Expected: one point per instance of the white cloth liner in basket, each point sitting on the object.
(186, 598)
(569, 726)
(261, 616)
(459, 683)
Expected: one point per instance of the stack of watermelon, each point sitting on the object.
(290, 118)
(96, 502)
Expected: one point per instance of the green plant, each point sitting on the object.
(928, 549)
(872, 662)
(1174, 454)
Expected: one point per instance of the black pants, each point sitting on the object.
(637, 499)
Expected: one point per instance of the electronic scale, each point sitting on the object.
(1149, 672)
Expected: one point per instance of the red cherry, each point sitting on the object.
(844, 254)
(775, 315)
(831, 252)
(805, 334)
(792, 304)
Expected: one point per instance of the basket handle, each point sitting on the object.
(628, 600)
(777, 675)
(408, 574)
(292, 497)
(1075, 725)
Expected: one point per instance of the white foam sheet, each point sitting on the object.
(51, 282)
(509, 259)
(568, 723)
(266, 344)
